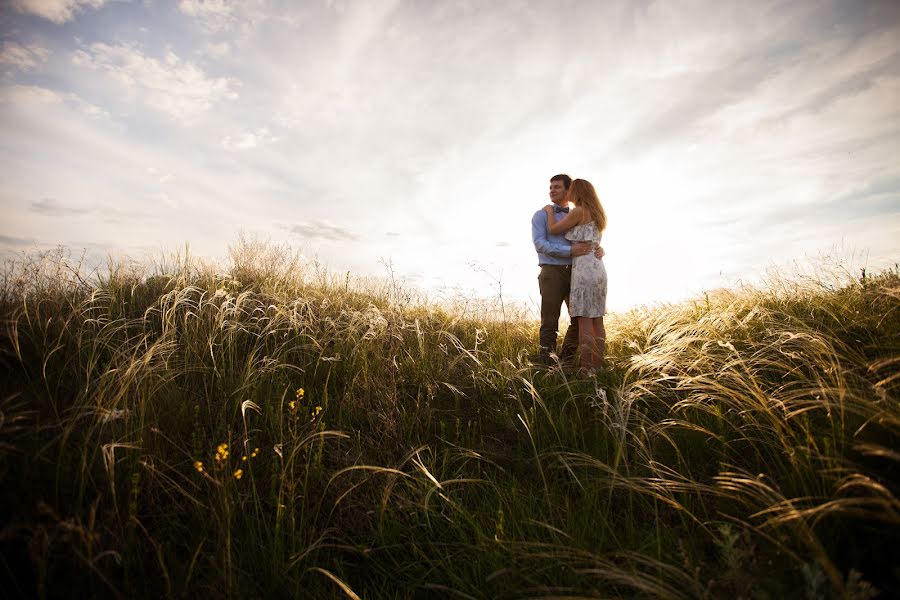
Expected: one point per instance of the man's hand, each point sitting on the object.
(581, 248)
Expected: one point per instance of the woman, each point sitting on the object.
(587, 298)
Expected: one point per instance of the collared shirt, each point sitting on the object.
(551, 249)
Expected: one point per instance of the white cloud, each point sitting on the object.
(19, 95)
(246, 141)
(164, 198)
(214, 15)
(320, 231)
(218, 49)
(206, 8)
(25, 58)
(173, 86)
(28, 95)
(53, 208)
(60, 162)
(58, 11)
(160, 176)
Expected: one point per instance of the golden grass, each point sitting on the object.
(742, 444)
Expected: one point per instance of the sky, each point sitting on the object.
(723, 138)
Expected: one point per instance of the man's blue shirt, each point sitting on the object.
(551, 249)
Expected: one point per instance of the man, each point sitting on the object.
(555, 254)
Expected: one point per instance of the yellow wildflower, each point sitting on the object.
(300, 393)
(198, 465)
(254, 453)
(239, 473)
(315, 411)
(292, 405)
(244, 458)
(222, 453)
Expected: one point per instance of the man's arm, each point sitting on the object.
(542, 243)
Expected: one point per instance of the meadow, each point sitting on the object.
(265, 429)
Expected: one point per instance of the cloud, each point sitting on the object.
(17, 96)
(58, 11)
(173, 86)
(24, 58)
(52, 208)
(160, 176)
(17, 242)
(205, 8)
(214, 15)
(246, 141)
(320, 230)
(165, 199)
(217, 49)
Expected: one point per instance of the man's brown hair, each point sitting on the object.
(567, 181)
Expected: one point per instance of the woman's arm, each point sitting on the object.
(566, 223)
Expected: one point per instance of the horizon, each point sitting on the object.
(724, 140)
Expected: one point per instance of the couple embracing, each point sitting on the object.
(567, 241)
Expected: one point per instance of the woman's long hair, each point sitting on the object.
(582, 193)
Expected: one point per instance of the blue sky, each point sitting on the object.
(723, 137)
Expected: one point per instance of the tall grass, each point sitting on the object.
(268, 429)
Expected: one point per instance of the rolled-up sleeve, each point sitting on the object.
(542, 243)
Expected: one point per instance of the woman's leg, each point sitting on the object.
(599, 331)
(586, 341)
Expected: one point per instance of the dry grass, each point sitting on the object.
(743, 444)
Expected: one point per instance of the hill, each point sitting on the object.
(267, 431)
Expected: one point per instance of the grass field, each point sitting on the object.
(266, 430)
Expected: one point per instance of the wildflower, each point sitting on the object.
(315, 411)
(244, 458)
(292, 406)
(254, 453)
(300, 393)
(239, 473)
(221, 453)
(198, 465)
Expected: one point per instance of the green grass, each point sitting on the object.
(741, 445)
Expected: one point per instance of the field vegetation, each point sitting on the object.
(267, 430)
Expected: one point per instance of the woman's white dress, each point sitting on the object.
(587, 297)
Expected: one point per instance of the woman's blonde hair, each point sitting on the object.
(582, 193)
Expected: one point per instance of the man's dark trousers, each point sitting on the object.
(554, 282)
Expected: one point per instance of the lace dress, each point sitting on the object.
(587, 297)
